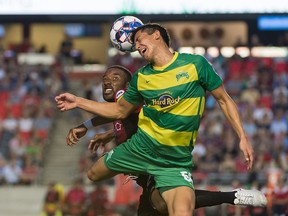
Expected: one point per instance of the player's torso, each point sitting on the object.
(124, 129)
(174, 103)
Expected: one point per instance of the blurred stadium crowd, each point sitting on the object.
(258, 85)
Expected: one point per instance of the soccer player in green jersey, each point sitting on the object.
(114, 84)
(172, 87)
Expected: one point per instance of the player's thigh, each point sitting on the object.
(158, 202)
(99, 171)
(179, 199)
(176, 187)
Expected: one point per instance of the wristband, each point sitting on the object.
(88, 124)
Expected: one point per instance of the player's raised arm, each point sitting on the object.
(76, 133)
(116, 110)
(230, 110)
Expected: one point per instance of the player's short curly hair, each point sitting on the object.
(150, 28)
(125, 70)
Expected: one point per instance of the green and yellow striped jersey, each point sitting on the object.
(174, 98)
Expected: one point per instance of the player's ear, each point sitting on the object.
(157, 35)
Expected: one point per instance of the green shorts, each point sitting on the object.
(129, 158)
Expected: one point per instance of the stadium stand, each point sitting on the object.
(33, 152)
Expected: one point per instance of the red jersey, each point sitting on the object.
(125, 128)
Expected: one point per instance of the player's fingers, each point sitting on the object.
(60, 106)
(74, 136)
(249, 160)
(91, 145)
(67, 141)
(96, 146)
(70, 140)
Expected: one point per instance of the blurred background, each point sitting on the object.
(56, 46)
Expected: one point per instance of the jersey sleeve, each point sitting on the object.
(119, 94)
(208, 77)
(132, 95)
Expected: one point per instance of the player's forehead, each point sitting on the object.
(114, 72)
(138, 34)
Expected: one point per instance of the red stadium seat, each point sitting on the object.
(280, 67)
(4, 95)
(16, 109)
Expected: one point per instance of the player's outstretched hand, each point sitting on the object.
(100, 140)
(75, 134)
(248, 152)
(66, 101)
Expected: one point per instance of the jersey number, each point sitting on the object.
(187, 176)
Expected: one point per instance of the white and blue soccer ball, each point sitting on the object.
(121, 31)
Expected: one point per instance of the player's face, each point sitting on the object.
(113, 81)
(145, 44)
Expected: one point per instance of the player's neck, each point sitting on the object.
(162, 58)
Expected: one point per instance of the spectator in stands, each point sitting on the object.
(9, 127)
(3, 75)
(22, 90)
(280, 198)
(228, 164)
(26, 124)
(12, 172)
(52, 202)
(98, 201)
(234, 85)
(42, 123)
(265, 78)
(75, 203)
(2, 165)
(210, 162)
(250, 94)
(34, 150)
(29, 171)
(249, 125)
(262, 115)
(17, 146)
(66, 47)
(279, 124)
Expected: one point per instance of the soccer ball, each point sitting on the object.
(121, 30)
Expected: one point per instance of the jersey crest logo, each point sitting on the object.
(182, 75)
(119, 94)
(109, 155)
(165, 101)
(118, 126)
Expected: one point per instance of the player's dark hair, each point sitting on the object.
(127, 72)
(150, 28)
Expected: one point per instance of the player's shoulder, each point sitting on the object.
(192, 57)
(119, 94)
(143, 70)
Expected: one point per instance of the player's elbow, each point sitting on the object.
(92, 176)
(122, 115)
(124, 109)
